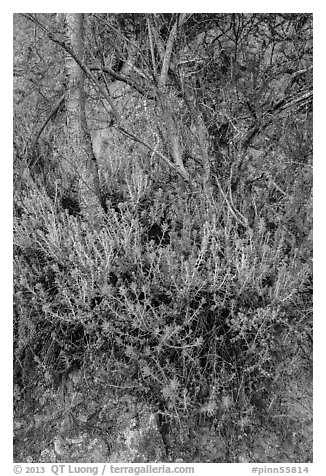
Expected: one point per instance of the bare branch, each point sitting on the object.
(180, 170)
(47, 120)
(124, 79)
(176, 148)
(150, 37)
(167, 55)
(80, 63)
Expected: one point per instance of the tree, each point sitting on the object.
(189, 138)
(78, 140)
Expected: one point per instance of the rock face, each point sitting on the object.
(138, 438)
(109, 427)
(134, 436)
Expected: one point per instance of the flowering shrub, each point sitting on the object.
(198, 316)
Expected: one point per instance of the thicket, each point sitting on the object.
(169, 292)
(178, 298)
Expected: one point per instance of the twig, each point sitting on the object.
(80, 63)
(148, 146)
(241, 220)
(122, 78)
(47, 120)
(118, 125)
(150, 37)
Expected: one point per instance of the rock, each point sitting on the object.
(98, 451)
(59, 445)
(139, 439)
(48, 456)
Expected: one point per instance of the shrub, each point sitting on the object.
(197, 316)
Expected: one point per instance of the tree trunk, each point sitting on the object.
(165, 100)
(80, 158)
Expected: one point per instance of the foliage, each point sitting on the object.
(197, 297)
